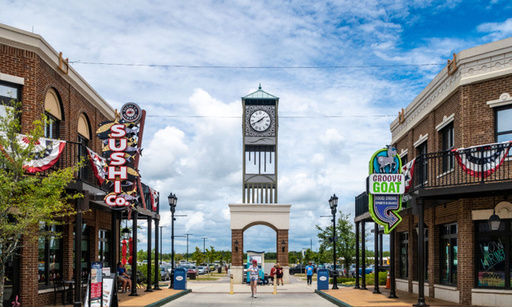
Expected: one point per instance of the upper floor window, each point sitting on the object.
(404, 253)
(421, 152)
(8, 91)
(447, 146)
(53, 112)
(504, 123)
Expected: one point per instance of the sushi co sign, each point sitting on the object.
(120, 139)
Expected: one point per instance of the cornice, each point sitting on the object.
(478, 64)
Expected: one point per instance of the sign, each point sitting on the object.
(386, 185)
(120, 148)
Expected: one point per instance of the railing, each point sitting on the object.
(470, 166)
(478, 165)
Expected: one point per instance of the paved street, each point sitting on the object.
(297, 293)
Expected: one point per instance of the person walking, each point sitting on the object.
(279, 274)
(310, 269)
(254, 273)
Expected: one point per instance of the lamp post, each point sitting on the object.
(173, 200)
(333, 203)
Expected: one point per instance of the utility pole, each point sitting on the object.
(188, 234)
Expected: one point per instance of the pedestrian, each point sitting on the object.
(254, 273)
(273, 273)
(310, 269)
(279, 274)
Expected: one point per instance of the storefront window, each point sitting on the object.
(404, 247)
(449, 251)
(85, 259)
(493, 252)
(49, 255)
(103, 247)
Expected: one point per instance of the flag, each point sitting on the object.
(99, 165)
(47, 153)
(154, 196)
(408, 171)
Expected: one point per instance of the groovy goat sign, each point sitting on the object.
(386, 184)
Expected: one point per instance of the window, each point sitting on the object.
(494, 255)
(85, 258)
(504, 124)
(404, 252)
(448, 255)
(421, 152)
(104, 247)
(8, 92)
(82, 154)
(50, 259)
(260, 159)
(51, 129)
(404, 160)
(447, 146)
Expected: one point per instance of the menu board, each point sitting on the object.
(106, 294)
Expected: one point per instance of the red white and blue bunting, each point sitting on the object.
(483, 160)
(47, 153)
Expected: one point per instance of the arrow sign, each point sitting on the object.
(385, 188)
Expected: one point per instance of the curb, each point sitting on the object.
(332, 299)
(168, 299)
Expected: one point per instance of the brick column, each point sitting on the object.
(282, 256)
(465, 255)
(237, 235)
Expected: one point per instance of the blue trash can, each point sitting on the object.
(180, 279)
(322, 279)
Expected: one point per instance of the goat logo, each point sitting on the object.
(388, 160)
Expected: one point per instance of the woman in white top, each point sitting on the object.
(253, 276)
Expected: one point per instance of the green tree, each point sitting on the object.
(26, 201)
(346, 239)
(211, 254)
(308, 256)
(198, 256)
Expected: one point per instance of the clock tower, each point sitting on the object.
(259, 132)
(260, 127)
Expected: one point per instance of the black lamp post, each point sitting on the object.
(173, 200)
(333, 203)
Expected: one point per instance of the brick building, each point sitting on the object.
(453, 133)
(32, 72)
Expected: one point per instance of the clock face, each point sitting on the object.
(260, 120)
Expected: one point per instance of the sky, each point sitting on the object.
(341, 69)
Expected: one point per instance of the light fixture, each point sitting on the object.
(126, 233)
(494, 219)
(236, 245)
(173, 200)
(425, 229)
(284, 244)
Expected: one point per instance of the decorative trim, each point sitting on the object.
(504, 100)
(420, 140)
(403, 152)
(445, 122)
(503, 210)
(12, 79)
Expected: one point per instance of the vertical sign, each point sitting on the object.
(96, 283)
(385, 188)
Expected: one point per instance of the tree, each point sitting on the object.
(198, 256)
(308, 256)
(26, 201)
(346, 239)
(211, 254)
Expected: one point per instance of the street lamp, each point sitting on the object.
(494, 221)
(173, 200)
(333, 203)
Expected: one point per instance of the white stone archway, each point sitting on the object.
(244, 216)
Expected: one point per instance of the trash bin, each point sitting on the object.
(219, 270)
(323, 279)
(192, 275)
(180, 279)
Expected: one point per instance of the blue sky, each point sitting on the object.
(342, 70)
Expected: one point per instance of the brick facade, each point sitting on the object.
(474, 124)
(39, 74)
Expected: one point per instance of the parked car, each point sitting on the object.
(191, 270)
(164, 274)
(367, 270)
(298, 269)
(201, 270)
